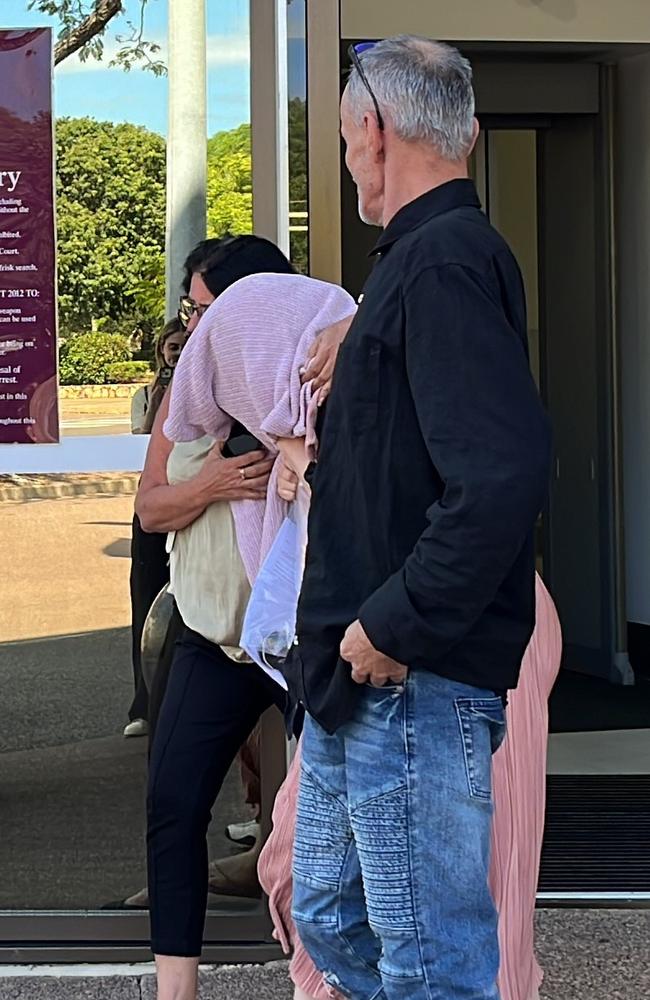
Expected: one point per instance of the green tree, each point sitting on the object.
(230, 193)
(298, 181)
(230, 188)
(111, 221)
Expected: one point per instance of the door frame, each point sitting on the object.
(594, 98)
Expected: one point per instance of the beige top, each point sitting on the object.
(207, 576)
(139, 407)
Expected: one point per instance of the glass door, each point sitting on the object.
(540, 187)
(72, 787)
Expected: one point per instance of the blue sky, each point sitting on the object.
(96, 90)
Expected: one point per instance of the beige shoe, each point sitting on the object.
(236, 876)
(140, 900)
(138, 727)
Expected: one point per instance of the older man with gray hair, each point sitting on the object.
(418, 596)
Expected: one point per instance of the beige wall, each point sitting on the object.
(513, 210)
(505, 20)
(324, 140)
(633, 298)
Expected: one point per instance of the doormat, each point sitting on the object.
(597, 834)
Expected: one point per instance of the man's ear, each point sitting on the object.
(476, 128)
(374, 135)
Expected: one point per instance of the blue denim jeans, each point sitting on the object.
(392, 844)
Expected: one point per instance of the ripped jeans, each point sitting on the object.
(392, 844)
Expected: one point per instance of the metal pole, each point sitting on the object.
(270, 120)
(186, 140)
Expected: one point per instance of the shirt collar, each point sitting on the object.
(452, 194)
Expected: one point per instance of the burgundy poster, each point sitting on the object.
(28, 368)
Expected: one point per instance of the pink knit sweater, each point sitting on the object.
(242, 363)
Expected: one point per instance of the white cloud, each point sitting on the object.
(228, 50)
(221, 51)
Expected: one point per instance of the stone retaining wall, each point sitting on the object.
(99, 391)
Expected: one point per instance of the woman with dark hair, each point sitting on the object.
(168, 507)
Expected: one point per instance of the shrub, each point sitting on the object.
(85, 360)
(123, 372)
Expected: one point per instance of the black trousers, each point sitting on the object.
(210, 707)
(149, 574)
(160, 679)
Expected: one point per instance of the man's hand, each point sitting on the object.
(322, 357)
(367, 663)
(244, 477)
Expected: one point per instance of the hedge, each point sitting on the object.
(123, 372)
(85, 359)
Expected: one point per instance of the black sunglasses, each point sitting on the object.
(354, 53)
(187, 308)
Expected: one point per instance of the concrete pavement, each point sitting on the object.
(586, 955)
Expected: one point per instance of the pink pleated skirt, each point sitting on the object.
(519, 800)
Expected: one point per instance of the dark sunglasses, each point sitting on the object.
(186, 309)
(354, 52)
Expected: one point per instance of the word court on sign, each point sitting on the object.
(9, 179)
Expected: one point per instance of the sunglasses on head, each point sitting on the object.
(186, 309)
(354, 55)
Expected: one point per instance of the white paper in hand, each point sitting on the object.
(270, 622)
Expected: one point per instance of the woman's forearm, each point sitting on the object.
(160, 506)
(171, 508)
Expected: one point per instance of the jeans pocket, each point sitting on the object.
(482, 730)
(391, 689)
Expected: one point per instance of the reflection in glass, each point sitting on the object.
(72, 788)
(297, 69)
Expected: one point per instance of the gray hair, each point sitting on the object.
(423, 87)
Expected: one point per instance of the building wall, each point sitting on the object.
(506, 20)
(633, 295)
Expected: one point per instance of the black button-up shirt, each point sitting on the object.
(433, 465)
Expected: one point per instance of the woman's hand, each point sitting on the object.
(245, 477)
(294, 455)
(321, 359)
(162, 507)
(287, 481)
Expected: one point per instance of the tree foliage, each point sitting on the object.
(83, 26)
(87, 359)
(298, 182)
(111, 219)
(230, 191)
(230, 186)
